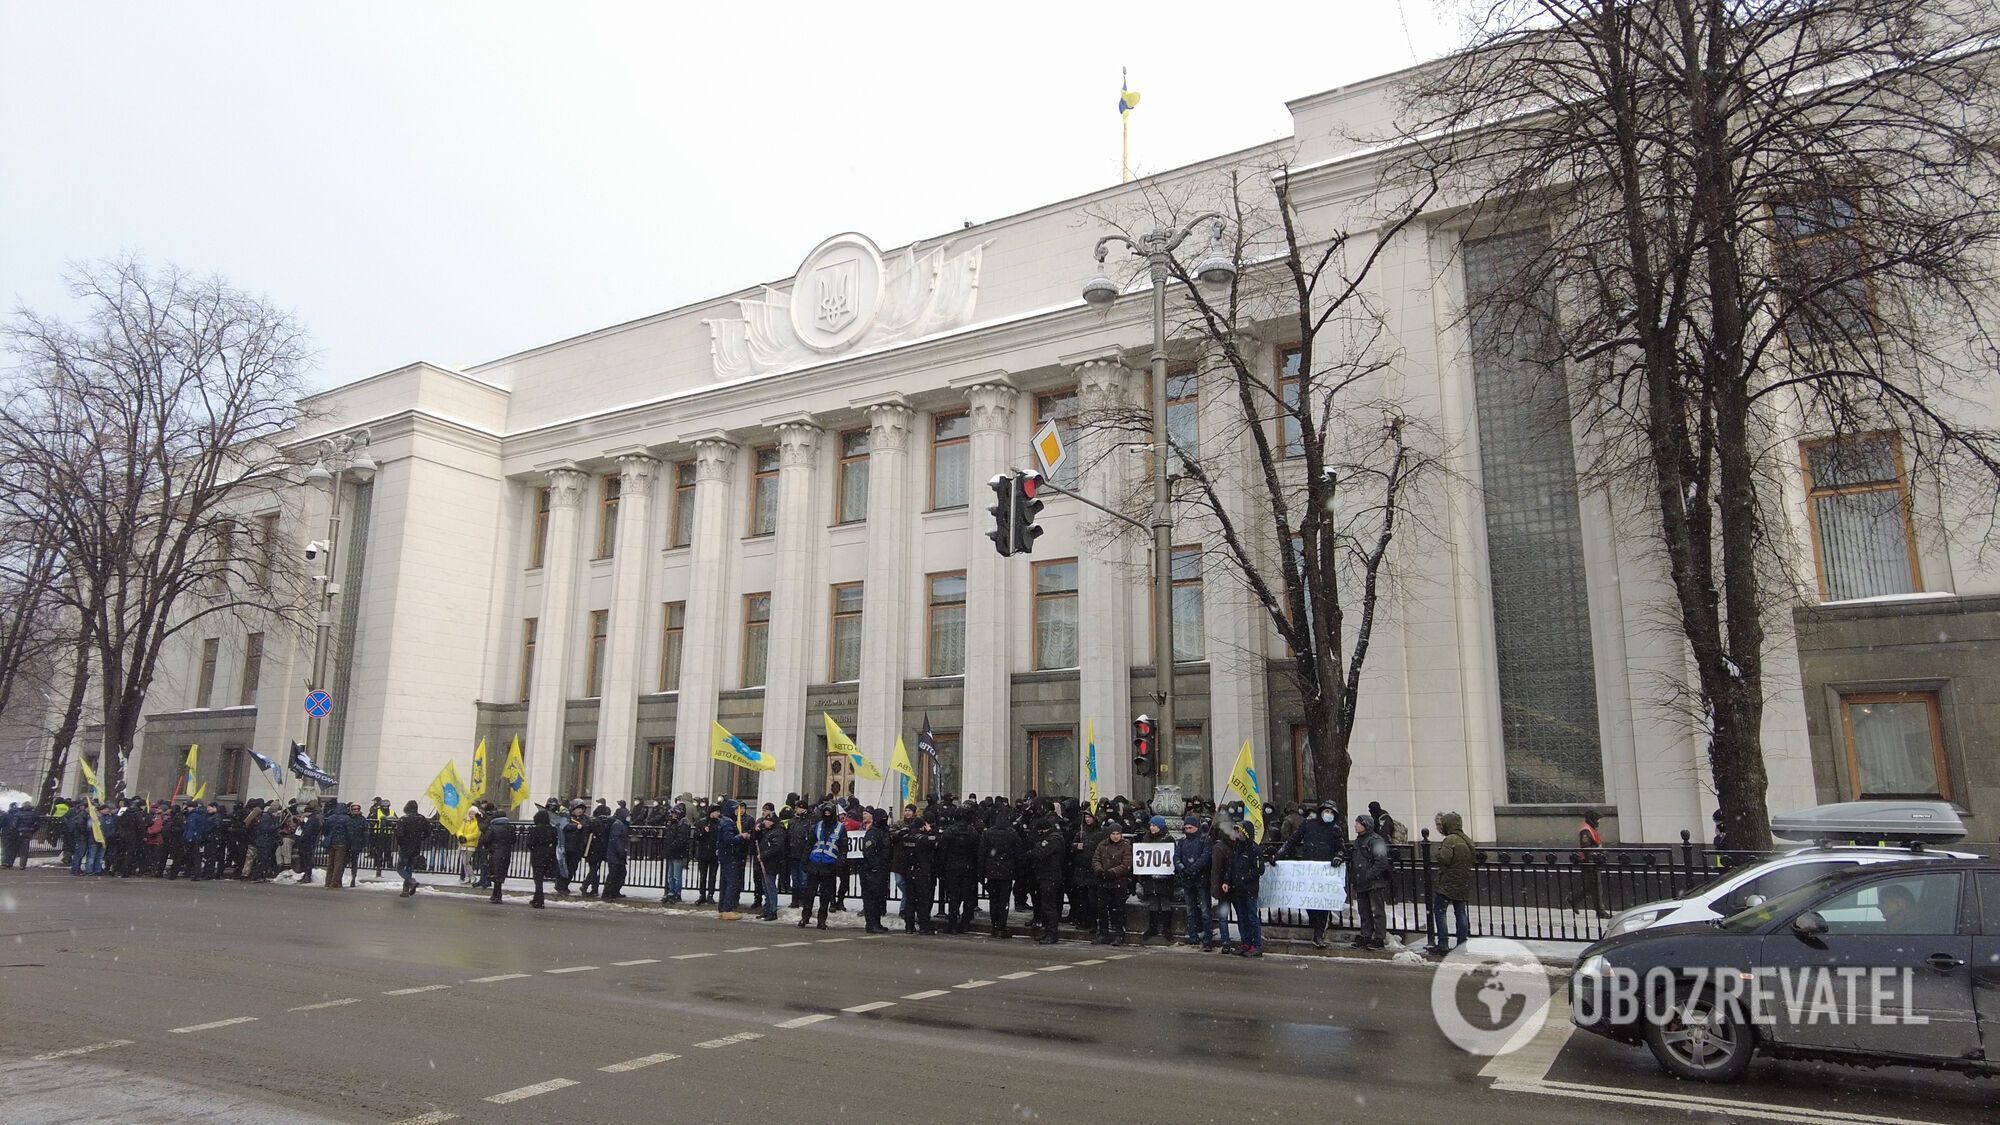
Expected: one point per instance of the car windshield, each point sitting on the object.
(1781, 906)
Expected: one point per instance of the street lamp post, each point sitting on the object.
(341, 458)
(1215, 268)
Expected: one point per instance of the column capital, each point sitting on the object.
(568, 487)
(1103, 382)
(714, 457)
(992, 406)
(797, 444)
(889, 426)
(637, 474)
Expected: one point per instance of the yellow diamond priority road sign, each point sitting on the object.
(1050, 452)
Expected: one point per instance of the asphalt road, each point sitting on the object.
(137, 1000)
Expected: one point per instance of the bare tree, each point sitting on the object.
(1318, 465)
(151, 431)
(1759, 219)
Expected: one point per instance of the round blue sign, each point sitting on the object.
(319, 704)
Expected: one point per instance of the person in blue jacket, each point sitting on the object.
(729, 859)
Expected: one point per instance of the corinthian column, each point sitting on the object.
(986, 738)
(631, 599)
(793, 607)
(1106, 579)
(886, 596)
(1238, 689)
(548, 691)
(707, 606)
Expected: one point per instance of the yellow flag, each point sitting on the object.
(1243, 784)
(447, 792)
(187, 781)
(906, 775)
(514, 774)
(837, 742)
(96, 827)
(475, 789)
(90, 777)
(200, 792)
(726, 747)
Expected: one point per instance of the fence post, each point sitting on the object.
(1687, 865)
(1430, 888)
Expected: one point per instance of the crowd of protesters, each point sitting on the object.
(1048, 861)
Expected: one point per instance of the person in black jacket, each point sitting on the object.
(829, 845)
(922, 841)
(798, 841)
(497, 843)
(411, 832)
(702, 850)
(1319, 838)
(999, 863)
(678, 839)
(617, 850)
(596, 833)
(541, 856)
(1048, 854)
(1368, 880)
(958, 870)
(774, 860)
(1191, 859)
(874, 869)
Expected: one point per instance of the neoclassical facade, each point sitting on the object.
(771, 505)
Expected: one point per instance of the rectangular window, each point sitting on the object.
(951, 453)
(844, 661)
(204, 690)
(538, 546)
(1060, 407)
(1857, 505)
(253, 669)
(527, 655)
(1183, 414)
(658, 780)
(756, 638)
(576, 769)
(229, 776)
(1055, 614)
(1185, 763)
(1303, 789)
(945, 649)
(851, 501)
(593, 668)
(733, 781)
(609, 488)
(1189, 638)
(682, 531)
(1052, 765)
(1823, 265)
(764, 491)
(673, 627)
(1291, 437)
(267, 549)
(1895, 745)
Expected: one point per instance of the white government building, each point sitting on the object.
(762, 507)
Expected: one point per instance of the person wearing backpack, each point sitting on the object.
(829, 844)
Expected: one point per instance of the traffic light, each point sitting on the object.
(1003, 513)
(1023, 530)
(1143, 746)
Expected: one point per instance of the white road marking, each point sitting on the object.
(502, 976)
(208, 1026)
(790, 944)
(572, 969)
(434, 1117)
(745, 949)
(692, 956)
(1762, 1111)
(1532, 1060)
(531, 1091)
(1092, 961)
(414, 991)
(640, 961)
(802, 1021)
(1053, 968)
(327, 1004)
(831, 940)
(739, 1037)
(1113, 957)
(973, 984)
(75, 1051)
(872, 1005)
(1018, 976)
(928, 995)
(641, 1061)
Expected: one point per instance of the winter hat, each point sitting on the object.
(1366, 822)
(1159, 822)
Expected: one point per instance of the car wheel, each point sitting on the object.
(1702, 1041)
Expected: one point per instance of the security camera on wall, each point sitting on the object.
(315, 549)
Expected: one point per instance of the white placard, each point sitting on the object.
(854, 842)
(1303, 884)
(1152, 859)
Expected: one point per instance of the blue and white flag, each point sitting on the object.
(271, 769)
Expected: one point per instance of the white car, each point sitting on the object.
(1750, 886)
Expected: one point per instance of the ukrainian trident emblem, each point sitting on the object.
(833, 293)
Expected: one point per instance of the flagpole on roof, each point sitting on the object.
(1124, 127)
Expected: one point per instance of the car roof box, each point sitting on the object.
(1873, 822)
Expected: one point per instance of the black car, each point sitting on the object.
(1895, 963)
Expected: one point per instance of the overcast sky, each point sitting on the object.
(457, 181)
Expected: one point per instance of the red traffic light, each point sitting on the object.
(1030, 484)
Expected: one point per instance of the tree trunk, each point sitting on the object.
(65, 733)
